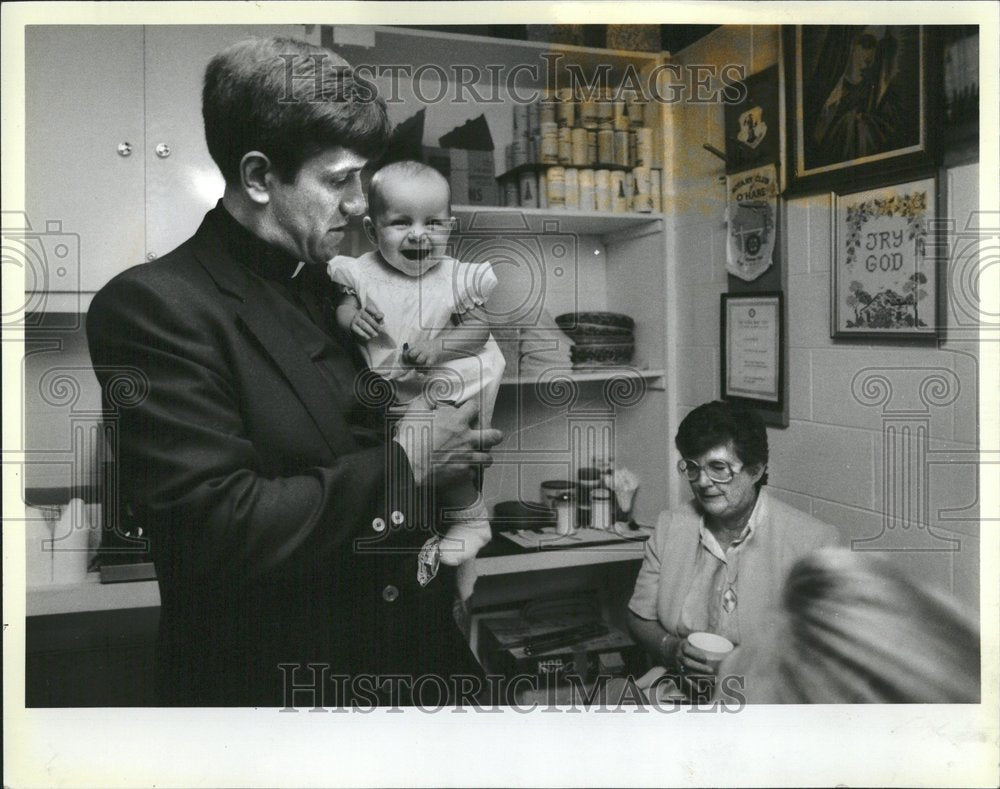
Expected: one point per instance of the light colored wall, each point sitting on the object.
(920, 503)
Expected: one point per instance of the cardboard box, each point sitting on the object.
(469, 173)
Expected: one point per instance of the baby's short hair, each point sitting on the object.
(408, 168)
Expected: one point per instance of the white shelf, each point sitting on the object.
(91, 595)
(535, 561)
(596, 374)
(491, 219)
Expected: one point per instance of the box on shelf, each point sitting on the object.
(469, 173)
(612, 653)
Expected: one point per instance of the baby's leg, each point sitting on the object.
(466, 523)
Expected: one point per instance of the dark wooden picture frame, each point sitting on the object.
(774, 403)
(862, 105)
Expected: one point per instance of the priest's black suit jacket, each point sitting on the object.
(283, 524)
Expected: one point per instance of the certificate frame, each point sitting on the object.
(767, 341)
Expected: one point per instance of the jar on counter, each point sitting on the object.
(601, 509)
(566, 522)
(588, 479)
(552, 489)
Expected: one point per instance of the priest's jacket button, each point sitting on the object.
(396, 518)
(378, 525)
(390, 593)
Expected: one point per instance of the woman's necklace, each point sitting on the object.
(729, 599)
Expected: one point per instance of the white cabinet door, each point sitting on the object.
(84, 201)
(184, 184)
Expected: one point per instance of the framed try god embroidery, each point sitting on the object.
(884, 272)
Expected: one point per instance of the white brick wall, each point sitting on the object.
(830, 461)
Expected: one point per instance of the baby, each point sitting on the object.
(418, 315)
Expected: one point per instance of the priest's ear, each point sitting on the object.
(257, 174)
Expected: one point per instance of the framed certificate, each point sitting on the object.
(752, 349)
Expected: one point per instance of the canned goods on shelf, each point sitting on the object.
(621, 148)
(602, 190)
(550, 143)
(565, 141)
(566, 109)
(556, 186)
(579, 146)
(587, 196)
(619, 192)
(572, 197)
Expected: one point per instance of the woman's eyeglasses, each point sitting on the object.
(715, 470)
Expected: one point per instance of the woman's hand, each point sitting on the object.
(691, 660)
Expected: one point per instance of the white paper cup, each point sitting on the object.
(714, 646)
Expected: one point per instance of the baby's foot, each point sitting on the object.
(463, 541)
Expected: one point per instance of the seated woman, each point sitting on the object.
(855, 629)
(717, 563)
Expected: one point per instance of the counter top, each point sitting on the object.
(91, 595)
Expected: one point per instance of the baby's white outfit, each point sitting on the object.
(416, 310)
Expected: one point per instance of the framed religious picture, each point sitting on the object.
(884, 272)
(752, 125)
(752, 349)
(862, 105)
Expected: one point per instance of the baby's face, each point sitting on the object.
(412, 230)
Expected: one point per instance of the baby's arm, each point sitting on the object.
(465, 337)
(363, 322)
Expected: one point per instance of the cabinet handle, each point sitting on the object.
(163, 150)
(124, 149)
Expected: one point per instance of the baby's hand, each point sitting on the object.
(420, 355)
(367, 323)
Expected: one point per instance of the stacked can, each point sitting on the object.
(565, 109)
(620, 192)
(602, 190)
(565, 145)
(587, 196)
(591, 150)
(572, 188)
(556, 187)
(642, 199)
